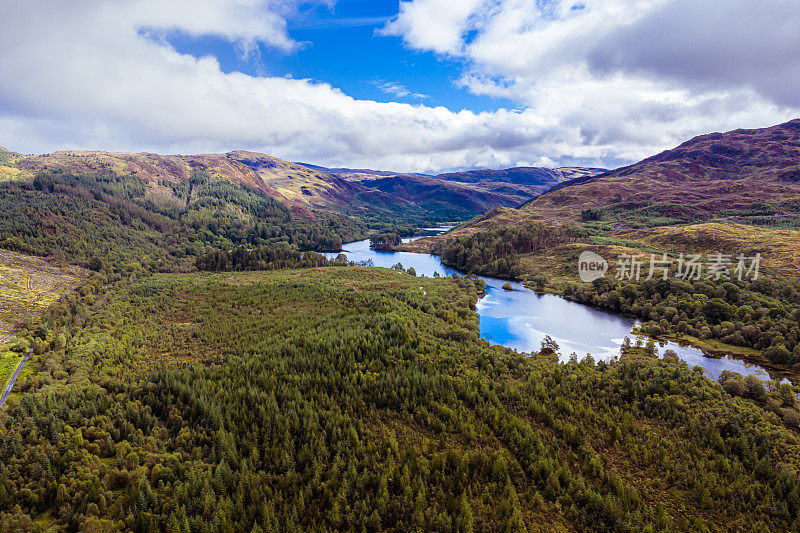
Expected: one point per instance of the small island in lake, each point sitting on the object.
(507, 286)
(384, 242)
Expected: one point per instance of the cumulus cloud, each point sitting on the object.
(623, 77)
(90, 73)
(434, 24)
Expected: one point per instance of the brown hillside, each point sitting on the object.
(292, 184)
(712, 173)
(475, 191)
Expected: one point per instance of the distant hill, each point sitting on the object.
(740, 174)
(353, 173)
(723, 192)
(464, 194)
(294, 185)
(522, 175)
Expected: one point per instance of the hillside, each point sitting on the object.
(360, 192)
(745, 177)
(739, 174)
(293, 185)
(118, 220)
(301, 187)
(464, 194)
(715, 196)
(521, 175)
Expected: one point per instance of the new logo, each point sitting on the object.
(591, 266)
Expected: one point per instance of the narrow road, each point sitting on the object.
(14, 377)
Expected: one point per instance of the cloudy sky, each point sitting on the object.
(420, 85)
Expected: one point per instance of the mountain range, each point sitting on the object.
(467, 192)
(456, 196)
(741, 173)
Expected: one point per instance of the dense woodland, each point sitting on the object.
(343, 398)
(763, 314)
(496, 252)
(260, 258)
(114, 220)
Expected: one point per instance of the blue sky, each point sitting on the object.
(341, 45)
(420, 85)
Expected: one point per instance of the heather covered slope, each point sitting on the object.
(521, 175)
(414, 197)
(746, 180)
(741, 173)
(295, 186)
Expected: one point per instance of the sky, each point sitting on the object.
(417, 85)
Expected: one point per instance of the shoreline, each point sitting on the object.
(711, 349)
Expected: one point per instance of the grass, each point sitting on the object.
(8, 363)
(28, 285)
(779, 248)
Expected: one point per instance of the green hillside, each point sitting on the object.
(105, 219)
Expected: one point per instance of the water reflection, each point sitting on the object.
(520, 319)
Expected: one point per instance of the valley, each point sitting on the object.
(460, 195)
(662, 207)
(521, 319)
(216, 346)
(418, 266)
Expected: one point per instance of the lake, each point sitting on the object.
(520, 319)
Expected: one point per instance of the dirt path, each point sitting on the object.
(10, 385)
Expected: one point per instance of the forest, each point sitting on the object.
(342, 398)
(762, 314)
(215, 373)
(107, 219)
(496, 252)
(385, 241)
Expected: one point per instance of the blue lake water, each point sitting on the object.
(520, 319)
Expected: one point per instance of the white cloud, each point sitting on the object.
(623, 77)
(437, 25)
(396, 89)
(90, 73)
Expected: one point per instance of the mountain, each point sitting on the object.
(521, 175)
(464, 194)
(291, 184)
(722, 192)
(351, 173)
(740, 174)
(415, 197)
